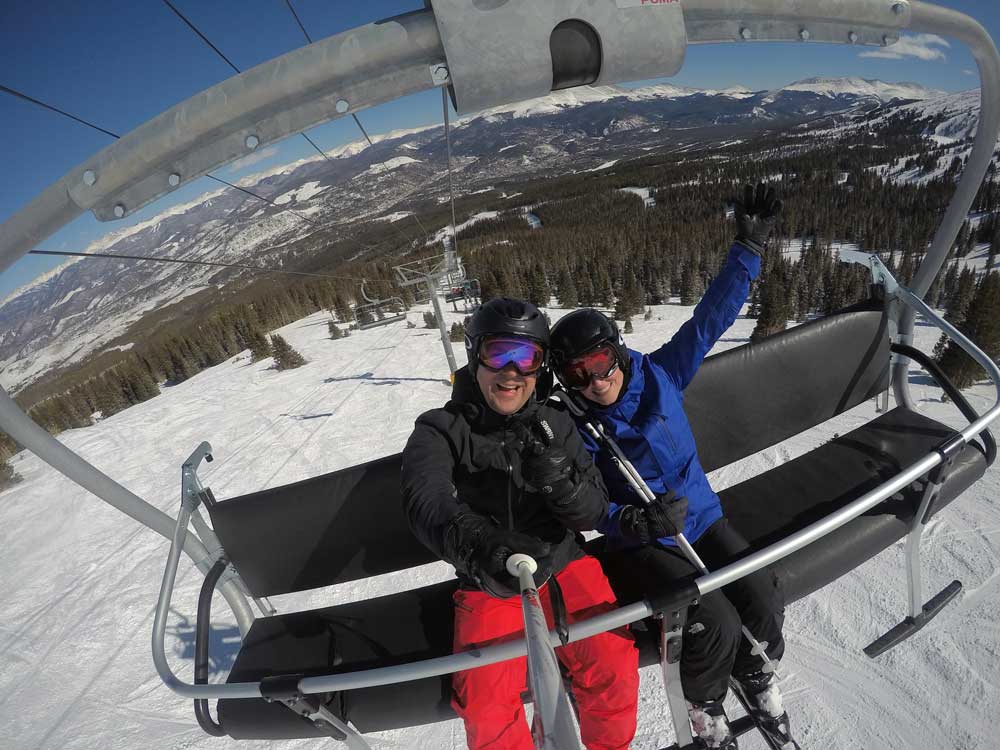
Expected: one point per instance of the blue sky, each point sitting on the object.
(117, 63)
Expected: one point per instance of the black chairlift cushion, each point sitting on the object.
(413, 625)
(752, 397)
(395, 629)
(321, 531)
(789, 497)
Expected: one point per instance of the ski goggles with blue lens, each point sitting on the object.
(496, 352)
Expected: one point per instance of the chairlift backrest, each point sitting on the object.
(752, 397)
(328, 529)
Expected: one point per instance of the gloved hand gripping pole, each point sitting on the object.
(553, 727)
(632, 476)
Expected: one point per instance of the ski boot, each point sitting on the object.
(711, 726)
(762, 693)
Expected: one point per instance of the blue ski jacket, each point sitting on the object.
(649, 423)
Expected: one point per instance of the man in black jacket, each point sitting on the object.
(497, 472)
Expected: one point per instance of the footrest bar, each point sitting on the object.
(911, 625)
(739, 726)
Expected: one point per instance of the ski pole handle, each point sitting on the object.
(523, 568)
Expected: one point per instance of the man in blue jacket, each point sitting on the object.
(637, 398)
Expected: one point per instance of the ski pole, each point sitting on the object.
(553, 727)
(634, 478)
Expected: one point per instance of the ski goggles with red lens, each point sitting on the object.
(577, 373)
(496, 352)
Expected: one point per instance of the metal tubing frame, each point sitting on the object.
(671, 671)
(914, 583)
(933, 19)
(296, 91)
(553, 721)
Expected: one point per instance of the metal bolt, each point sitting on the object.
(898, 8)
(251, 142)
(804, 35)
(745, 33)
(174, 179)
(119, 210)
(440, 73)
(343, 105)
(853, 37)
(89, 178)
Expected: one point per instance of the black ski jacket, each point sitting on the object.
(465, 458)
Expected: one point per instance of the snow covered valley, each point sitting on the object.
(80, 580)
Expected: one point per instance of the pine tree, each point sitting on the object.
(335, 332)
(8, 477)
(630, 301)
(260, 347)
(285, 356)
(430, 320)
(691, 290)
(457, 332)
(628, 326)
(982, 325)
(773, 316)
(567, 293)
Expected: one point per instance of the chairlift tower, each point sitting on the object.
(436, 273)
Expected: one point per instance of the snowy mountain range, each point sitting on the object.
(85, 306)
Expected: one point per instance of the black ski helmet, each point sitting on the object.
(504, 315)
(582, 331)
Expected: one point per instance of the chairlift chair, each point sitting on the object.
(378, 312)
(384, 663)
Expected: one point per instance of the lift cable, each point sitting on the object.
(230, 63)
(49, 107)
(258, 269)
(361, 127)
(451, 192)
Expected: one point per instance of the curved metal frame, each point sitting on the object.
(374, 307)
(403, 55)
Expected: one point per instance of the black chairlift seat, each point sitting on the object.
(348, 525)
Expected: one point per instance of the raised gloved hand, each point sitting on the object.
(663, 517)
(756, 216)
(475, 545)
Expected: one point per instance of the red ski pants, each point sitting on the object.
(603, 668)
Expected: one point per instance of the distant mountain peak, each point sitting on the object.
(857, 86)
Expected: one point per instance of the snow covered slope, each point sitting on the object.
(80, 579)
(855, 86)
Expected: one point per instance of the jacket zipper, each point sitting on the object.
(510, 480)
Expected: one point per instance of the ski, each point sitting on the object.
(773, 739)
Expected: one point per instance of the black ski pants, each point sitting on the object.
(714, 646)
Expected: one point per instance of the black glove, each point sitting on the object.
(756, 216)
(663, 517)
(476, 546)
(545, 466)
